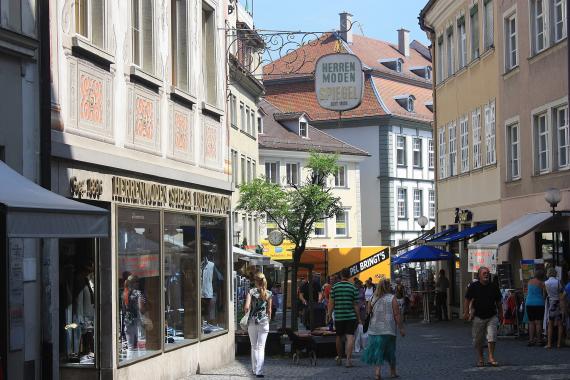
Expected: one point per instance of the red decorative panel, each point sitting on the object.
(91, 106)
(180, 131)
(144, 125)
(211, 140)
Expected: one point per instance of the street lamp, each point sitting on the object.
(237, 231)
(552, 196)
(422, 221)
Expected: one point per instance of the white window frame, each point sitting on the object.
(89, 19)
(346, 214)
(292, 169)
(537, 19)
(450, 59)
(235, 166)
(242, 116)
(559, 9)
(542, 152)
(461, 42)
(324, 228)
(511, 41)
(402, 203)
(440, 61)
(464, 143)
(474, 31)
(181, 48)
(233, 110)
(476, 126)
(488, 25)
(513, 150)
(431, 204)
(562, 129)
(490, 137)
(442, 154)
(272, 175)
(417, 157)
(401, 149)
(431, 154)
(146, 63)
(303, 129)
(452, 138)
(243, 168)
(418, 203)
(342, 180)
(259, 125)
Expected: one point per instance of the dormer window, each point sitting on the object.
(429, 105)
(303, 129)
(422, 71)
(395, 64)
(406, 101)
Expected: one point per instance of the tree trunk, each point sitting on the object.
(294, 309)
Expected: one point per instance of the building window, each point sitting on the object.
(474, 23)
(464, 141)
(142, 34)
(417, 145)
(428, 73)
(270, 226)
(442, 155)
(259, 125)
(253, 168)
(272, 172)
(340, 176)
(242, 116)
(450, 52)
(511, 54)
(490, 133)
(249, 171)
(538, 25)
(431, 161)
(462, 42)
(452, 149)
(292, 174)
(90, 21)
(247, 120)
(303, 129)
(439, 63)
(542, 145)
(410, 103)
(253, 129)
(180, 279)
(243, 170)
(233, 110)
(513, 152)
(561, 122)
(431, 199)
(320, 227)
(559, 19)
(476, 125)
(488, 24)
(139, 293)
(209, 75)
(402, 203)
(235, 167)
(401, 150)
(341, 223)
(180, 59)
(418, 204)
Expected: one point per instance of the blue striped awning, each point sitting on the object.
(465, 234)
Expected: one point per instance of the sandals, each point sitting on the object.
(338, 360)
(348, 364)
(494, 363)
(480, 363)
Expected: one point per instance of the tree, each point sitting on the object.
(296, 209)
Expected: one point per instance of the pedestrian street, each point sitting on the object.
(440, 350)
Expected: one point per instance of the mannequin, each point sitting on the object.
(207, 275)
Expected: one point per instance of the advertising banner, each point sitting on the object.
(482, 257)
(339, 82)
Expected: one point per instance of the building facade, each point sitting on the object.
(139, 128)
(285, 144)
(464, 37)
(393, 124)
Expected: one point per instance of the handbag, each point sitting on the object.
(368, 316)
(244, 320)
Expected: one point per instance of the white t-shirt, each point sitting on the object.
(368, 293)
(553, 288)
(207, 277)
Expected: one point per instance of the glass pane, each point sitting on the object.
(98, 23)
(147, 35)
(213, 272)
(81, 17)
(138, 235)
(136, 32)
(180, 279)
(77, 301)
(182, 45)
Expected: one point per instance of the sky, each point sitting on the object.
(379, 19)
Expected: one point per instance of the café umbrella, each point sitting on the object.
(423, 253)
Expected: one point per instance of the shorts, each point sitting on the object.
(535, 313)
(347, 327)
(484, 328)
(554, 311)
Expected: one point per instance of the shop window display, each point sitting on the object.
(213, 269)
(139, 283)
(180, 279)
(77, 292)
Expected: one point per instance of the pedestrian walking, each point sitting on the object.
(485, 299)
(441, 286)
(344, 302)
(385, 317)
(258, 305)
(535, 308)
(553, 291)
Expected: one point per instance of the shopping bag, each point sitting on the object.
(244, 320)
(358, 337)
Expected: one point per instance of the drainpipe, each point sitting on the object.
(45, 96)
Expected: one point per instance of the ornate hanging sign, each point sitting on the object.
(339, 81)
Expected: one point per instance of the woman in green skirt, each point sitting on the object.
(385, 317)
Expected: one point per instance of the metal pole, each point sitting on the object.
(285, 293)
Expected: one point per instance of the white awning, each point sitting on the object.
(34, 212)
(252, 257)
(511, 231)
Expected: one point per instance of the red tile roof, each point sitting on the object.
(388, 89)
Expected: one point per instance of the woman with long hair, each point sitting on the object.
(554, 290)
(535, 308)
(134, 304)
(385, 317)
(258, 305)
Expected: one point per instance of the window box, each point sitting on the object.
(90, 51)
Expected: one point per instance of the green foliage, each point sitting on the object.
(296, 209)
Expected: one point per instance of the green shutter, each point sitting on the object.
(474, 9)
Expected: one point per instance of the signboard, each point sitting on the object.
(482, 257)
(284, 251)
(363, 262)
(339, 82)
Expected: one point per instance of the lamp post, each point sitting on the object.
(552, 196)
(422, 221)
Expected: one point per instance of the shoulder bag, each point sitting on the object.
(368, 316)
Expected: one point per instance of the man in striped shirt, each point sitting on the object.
(344, 303)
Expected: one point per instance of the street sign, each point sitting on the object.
(339, 81)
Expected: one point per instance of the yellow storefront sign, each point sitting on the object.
(374, 260)
(280, 252)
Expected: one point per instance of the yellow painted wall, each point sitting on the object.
(339, 258)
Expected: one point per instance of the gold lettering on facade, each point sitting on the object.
(91, 188)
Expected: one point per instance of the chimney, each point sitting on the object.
(404, 41)
(346, 27)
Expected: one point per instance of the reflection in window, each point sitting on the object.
(180, 279)
(77, 301)
(213, 269)
(139, 283)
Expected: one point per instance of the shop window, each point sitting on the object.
(77, 302)
(139, 287)
(180, 279)
(213, 272)
(553, 247)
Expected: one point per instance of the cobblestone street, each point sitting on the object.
(436, 351)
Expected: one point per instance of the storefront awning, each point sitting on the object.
(34, 212)
(252, 257)
(465, 234)
(441, 233)
(514, 230)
